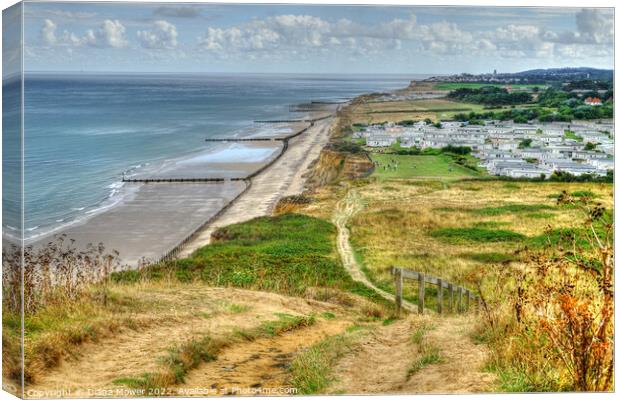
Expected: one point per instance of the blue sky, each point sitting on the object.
(172, 37)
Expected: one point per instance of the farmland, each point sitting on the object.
(395, 111)
(467, 85)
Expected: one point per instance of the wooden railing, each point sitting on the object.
(456, 294)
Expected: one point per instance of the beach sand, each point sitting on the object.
(283, 178)
(154, 219)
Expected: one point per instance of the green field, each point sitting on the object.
(457, 85)
(406, 166)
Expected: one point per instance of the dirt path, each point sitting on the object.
(196, 313)
(382, 361)
(259, 367)
(346, 208)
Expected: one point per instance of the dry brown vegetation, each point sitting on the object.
(557, 332)
(495, 236)
(165, 328)
(404, 214)
(55, 273)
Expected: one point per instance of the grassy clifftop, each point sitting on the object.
(287, 254)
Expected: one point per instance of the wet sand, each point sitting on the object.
(155, 219)
(214, 162)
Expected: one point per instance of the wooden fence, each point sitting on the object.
(458, 297)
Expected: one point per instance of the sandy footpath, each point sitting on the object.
(284, 178)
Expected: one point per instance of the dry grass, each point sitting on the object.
(396, 223)
(395, 226)
(368, 112)
(57, 331)
(191, 353)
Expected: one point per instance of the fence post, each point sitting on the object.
(398, 282)
(460, 300)
(421, 293)
(451, 294)
(439, 295)
(467, 294)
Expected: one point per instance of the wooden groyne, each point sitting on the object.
(278, 121)
(330, 102)
(176, 249)
(258, 139)
(176, 180)
(286, 121)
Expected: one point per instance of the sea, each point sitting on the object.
(83, 131)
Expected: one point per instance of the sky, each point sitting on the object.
(177, 37)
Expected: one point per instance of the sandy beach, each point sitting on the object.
(155, 220)
(285, 177)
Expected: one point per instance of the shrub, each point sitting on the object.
(55, 272)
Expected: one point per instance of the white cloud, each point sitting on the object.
(163, 35)
(48, 32)
(596, 26)
(307, 37)
(285, 34)
(111, 33)
(49, 36)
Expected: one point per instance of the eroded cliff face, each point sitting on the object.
(334, 165)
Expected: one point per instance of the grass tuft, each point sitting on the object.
(430, 355)
(311, 370)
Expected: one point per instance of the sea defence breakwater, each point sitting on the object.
(166, 207)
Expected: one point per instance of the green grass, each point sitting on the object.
(511, 209)
(311, 370)
(441, 166)
(429, 356)
(583, 193)
(285, 254)
(284, 323)
(389, 321)
(463, 235)
(540, 215)
(559, 237)
(490, 258)
(132, 382)
(467, 85)
(420, 332)
(328, 315)
(188, 356)
(572, 135)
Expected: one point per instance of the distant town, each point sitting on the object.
(530, 76)
(508, 149)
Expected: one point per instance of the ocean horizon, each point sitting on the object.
(83, 131)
